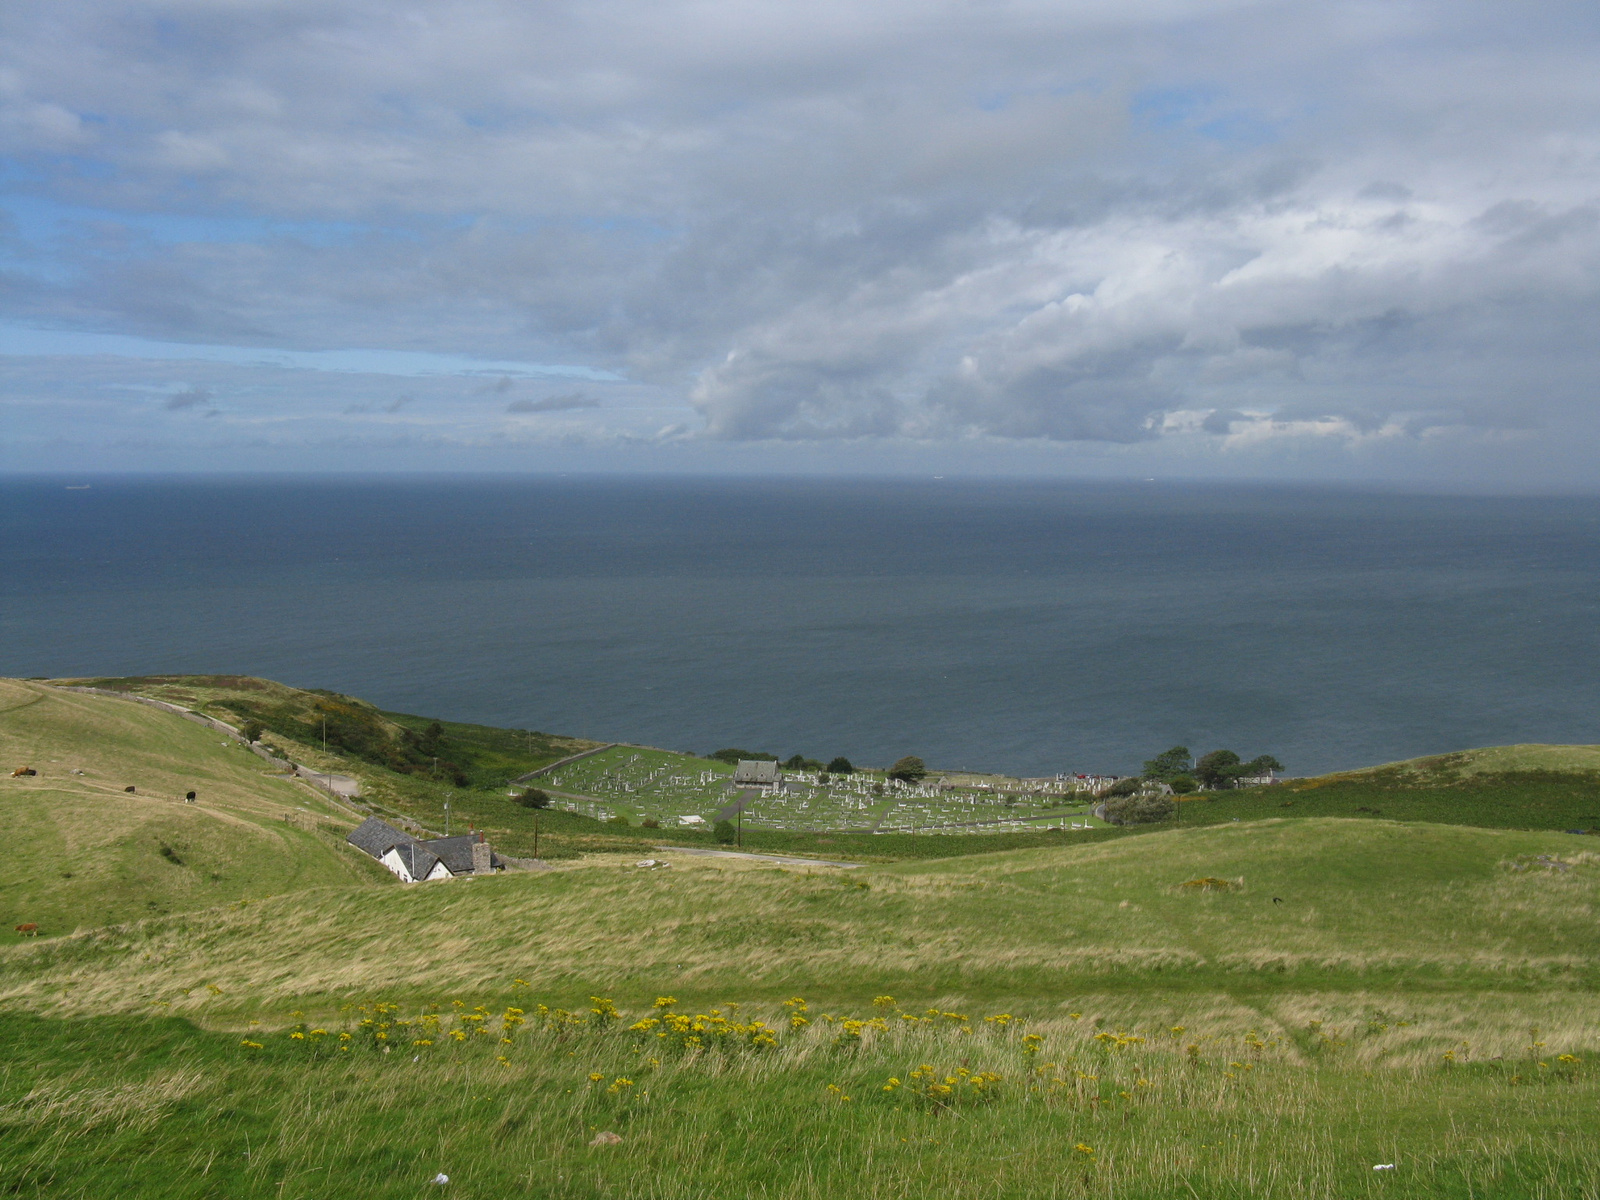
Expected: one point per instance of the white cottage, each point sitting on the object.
(415, 861)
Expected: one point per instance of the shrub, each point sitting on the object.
(725, 832)
(649, 823)
(534, 798)
(252, 731)
(1139, 810)
(840, 766)
(1125, 787)
(1182, 785)
(619, 819)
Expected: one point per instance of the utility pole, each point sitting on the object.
(324, 734)
(447, 818)
(536, 837)
(738, 828)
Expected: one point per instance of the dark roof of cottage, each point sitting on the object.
(755, 771)
(377, 837)
(456, 852)
(418, 859)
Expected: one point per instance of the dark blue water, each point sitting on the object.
(1028, 627)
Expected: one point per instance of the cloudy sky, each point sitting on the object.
(1101, 237)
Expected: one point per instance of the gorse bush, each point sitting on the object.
(1139, 809)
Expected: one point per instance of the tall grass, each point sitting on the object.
(880, 1102)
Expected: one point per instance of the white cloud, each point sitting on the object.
(935, 222)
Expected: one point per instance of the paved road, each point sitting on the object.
(730, 811)
(782, 859)
(339, 785)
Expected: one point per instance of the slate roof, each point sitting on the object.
(454, 852)
(755, 771)
(377, 837)
(418, 859)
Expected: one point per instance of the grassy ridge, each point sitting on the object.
(1365, 905)
(86, 853)
(1530, 798)
(463, 755)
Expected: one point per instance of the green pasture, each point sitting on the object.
(1268, 998)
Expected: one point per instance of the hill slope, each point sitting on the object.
(1497, 787)
(1363, 905)
(85, 852)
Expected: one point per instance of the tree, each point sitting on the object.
(1261, 765)
(909, 769)
(534, 798)
(1223, 769)
(1218, 769)
(725, 832)
(1124, 787)
(252, 732)
(732, 756)
(1169, 764)
(840, 766)
(1182, 785)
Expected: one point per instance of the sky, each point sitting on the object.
(1108, 238)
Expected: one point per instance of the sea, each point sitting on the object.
(1026, 627)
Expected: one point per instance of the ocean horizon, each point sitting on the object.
(1033, 627)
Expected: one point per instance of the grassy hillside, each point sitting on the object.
(85, 852)
(1500, 787)
(1364, 905)
(231, 1007)
(1423, 996)
(458, 755)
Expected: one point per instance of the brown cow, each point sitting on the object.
(129, 788)
(28, 930)
(23, 771)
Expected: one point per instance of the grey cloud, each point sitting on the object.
(566, 403)
(932, 221)
(1221, 421)
(192, 397)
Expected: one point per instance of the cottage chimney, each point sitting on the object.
(482, 857)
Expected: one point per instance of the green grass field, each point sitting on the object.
(1020, 1014)
(87, 853)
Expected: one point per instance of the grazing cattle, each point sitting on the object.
(129, 788)
(23, 771)
(28, 930)
(189, 796)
